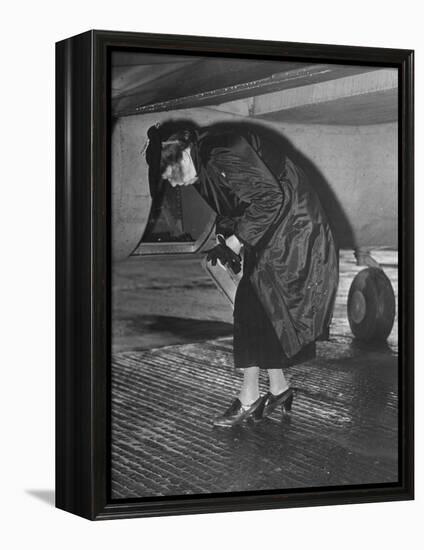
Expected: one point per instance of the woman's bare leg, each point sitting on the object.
(277, 381)
(249, 391)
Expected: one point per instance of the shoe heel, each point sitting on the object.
(258, 414)
(287, 405)
(255, 418)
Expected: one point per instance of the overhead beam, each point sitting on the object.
(381, 80)
(275, 83)
(368, 98)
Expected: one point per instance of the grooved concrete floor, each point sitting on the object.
(342, 429)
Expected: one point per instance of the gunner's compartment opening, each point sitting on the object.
(180, 220)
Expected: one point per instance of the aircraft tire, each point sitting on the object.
(371, 305)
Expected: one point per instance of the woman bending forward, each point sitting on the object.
(265, 204)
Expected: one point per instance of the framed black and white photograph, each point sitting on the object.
(234, 274)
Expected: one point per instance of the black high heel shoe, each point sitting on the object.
(272, 402)
(236, 413)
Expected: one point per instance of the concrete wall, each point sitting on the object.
(354, 169)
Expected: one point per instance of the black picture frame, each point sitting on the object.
(83, 274)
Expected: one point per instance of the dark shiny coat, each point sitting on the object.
(262, 197)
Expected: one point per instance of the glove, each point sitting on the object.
(225, 255)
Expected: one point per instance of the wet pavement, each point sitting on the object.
(172, 373)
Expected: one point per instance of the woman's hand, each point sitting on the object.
(224, 255)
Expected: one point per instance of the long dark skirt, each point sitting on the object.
(255, 341)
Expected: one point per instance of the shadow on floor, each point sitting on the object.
(151, 331)
(45, 495)
(190, 328)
